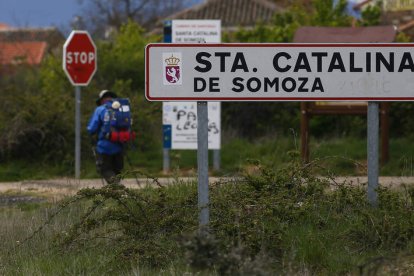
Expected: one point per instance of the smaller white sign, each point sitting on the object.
(182, 117)
(195, 31)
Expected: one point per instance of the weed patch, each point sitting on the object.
(271, 220)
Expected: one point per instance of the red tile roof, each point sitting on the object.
(370, 34)
(27, 52)
(26, 45)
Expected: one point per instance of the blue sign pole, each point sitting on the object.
(167, 132)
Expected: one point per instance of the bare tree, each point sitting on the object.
(99, 16)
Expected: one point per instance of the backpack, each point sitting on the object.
(118, 127)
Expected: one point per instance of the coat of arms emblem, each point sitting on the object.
(172, 69)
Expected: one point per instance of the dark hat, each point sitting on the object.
(105, 94)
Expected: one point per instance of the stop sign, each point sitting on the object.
(79, 58)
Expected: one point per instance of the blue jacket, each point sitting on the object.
(97, 125)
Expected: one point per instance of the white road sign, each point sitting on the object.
(181, 117)
(196, 31)
(280, 72)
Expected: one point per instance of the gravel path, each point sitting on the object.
(70, 186)
(56, 189)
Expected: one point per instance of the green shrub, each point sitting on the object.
(286, 219)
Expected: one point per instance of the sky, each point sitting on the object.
(41, 13)
(44, 13)
(38, 13)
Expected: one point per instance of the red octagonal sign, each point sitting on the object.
(79, 58)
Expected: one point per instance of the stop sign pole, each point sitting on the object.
(79, 64)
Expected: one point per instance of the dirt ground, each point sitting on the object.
(31, 190)
(69, 186)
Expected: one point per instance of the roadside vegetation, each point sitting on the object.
(273, 220)
(339, 156)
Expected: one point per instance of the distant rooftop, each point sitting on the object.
(15, 53)
(233, 13)
(371, 34)
(10, 34)
(26, 45)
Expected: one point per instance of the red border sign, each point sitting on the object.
(154, 60)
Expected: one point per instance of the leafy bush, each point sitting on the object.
(35, 118)
(286, 219)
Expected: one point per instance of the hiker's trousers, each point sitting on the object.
(110, 166)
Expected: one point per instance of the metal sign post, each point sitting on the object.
(165, 160)
(77, 132)
(216, 160)
(372, 150)
(202, 163)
